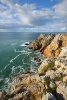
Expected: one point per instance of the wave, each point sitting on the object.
(4, 68)
(17, 70)
(25, 44)
(14, 58)
(23, 51)
(14, 43)
(10, 62)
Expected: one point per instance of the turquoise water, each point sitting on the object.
(15, 57)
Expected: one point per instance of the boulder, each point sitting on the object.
(48, 96)
(62, 91)
(65, 79)
(46, 64)
(63, 52)
(61, 64)
(53, 74)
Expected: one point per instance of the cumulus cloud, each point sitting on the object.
(61, 9)
(14, 16)
(31, 16)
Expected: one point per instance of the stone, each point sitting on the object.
(27, 87)
(55, 47)
(61, 64)
(46, 64)
(46, 42)
(41, 42)
(62, 91)
(48, 96)
(37, 44)
(63, 52)
(65, 79)
(52, 84)
(50, 45)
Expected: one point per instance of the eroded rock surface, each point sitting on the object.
(50, 82)
(50, 45)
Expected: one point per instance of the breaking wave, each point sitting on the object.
(25, 44)
(26, 60)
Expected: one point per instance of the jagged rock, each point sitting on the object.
(46, 42)
(62, 91)
(63, 52)
(42, 36)
(50, 45)
(61, 64)
(52, 84)
(5, 95)
(26, 87)
(37, 60)
(48, 96)
(46, 64)
(54, 49)
(37, 44)
(51, 49)
(65, 79)
(53, 74)
(41, 42)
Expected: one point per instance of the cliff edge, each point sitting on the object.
(50, 45)
(50, 82)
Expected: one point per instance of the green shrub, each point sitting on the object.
(59, 78)
(47, 80)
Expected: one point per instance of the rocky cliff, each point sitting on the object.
(50, 45)
(50, 82)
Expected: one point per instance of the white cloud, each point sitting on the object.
(63, 28)
(14, 16)
(7, 2)
(61, 9)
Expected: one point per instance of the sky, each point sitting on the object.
(33, 15)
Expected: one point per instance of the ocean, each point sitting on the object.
(16, 57)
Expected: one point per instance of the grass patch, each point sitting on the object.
(59, 78)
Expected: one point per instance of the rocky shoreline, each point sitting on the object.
(50, 82)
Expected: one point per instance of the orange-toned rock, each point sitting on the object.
(54, 48)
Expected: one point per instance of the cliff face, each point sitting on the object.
(50, 82)
(49, 45)
(54, 48)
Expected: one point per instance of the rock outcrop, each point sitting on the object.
(37, 44)
(62, 91)
(50, 45)
(54, 49)
(41, 42)
(48, 96)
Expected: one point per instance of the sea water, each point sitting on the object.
(16, 57)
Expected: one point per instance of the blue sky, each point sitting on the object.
(33, 15)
